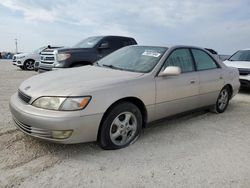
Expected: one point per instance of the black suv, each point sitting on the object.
(85, 52)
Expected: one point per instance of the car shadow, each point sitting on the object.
(244, 90)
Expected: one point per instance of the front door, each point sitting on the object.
(176, 94)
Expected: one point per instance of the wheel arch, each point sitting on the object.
(29, 59)
(134, 100)
(230, 87)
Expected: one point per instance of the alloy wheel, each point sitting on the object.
(223, 99)
(29, 65)
(123, 128)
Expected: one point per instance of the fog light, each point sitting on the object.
(62, 134)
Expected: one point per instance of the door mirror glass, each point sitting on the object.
(171, 71)
(104, 45)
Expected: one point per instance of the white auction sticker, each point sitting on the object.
(151, 53)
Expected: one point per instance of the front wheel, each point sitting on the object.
(121, 126)
(222, 101)
(29, 65)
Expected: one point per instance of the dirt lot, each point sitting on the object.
(199, 150)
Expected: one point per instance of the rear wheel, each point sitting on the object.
(121, 126)
(222, 101)
(29, 64)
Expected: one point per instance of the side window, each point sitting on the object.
(127, 42)
(203, 60)
(180, 58)
(114, 43)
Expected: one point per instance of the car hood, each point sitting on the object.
(21, 54)
(238, 64)
(74, 81)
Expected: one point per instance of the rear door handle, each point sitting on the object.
(192, 81)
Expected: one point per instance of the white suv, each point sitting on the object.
(241, 60)
(26, 60)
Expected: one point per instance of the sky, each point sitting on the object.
(221, 25)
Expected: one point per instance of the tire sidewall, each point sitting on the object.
(105, 140)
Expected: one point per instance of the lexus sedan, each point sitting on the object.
(112, 101)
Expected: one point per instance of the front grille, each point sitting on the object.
(24, 97)
(32, 130)
(49, 58)
(244, 72)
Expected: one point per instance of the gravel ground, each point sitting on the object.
(198, 150)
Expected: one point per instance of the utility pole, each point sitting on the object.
(16, 45)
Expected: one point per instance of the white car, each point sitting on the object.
(26, 60)
(241, 60)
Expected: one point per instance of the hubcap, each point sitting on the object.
(30, 65)
(123, 128)
(223, 99)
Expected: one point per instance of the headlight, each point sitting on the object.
(63, 56)
(62, 103)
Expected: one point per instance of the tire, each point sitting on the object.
(22, 67)
(29, 64)
(222, 101)
(121, 126)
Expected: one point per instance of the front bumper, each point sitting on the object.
(40, 123)
(19, 62)
(245, 81)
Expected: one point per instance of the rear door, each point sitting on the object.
(210, 76)
(175, 94)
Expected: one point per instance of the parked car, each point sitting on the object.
(241, 60)
(85, 52)
(48, 50)
(26, 60)
(113, 100)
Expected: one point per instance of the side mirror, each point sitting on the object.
(171, 71)
(104, 45)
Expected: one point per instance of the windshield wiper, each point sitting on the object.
(111, 66)
(96, 63)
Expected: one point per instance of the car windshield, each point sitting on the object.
(242, 55)
(134, 58)
(88, 42)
